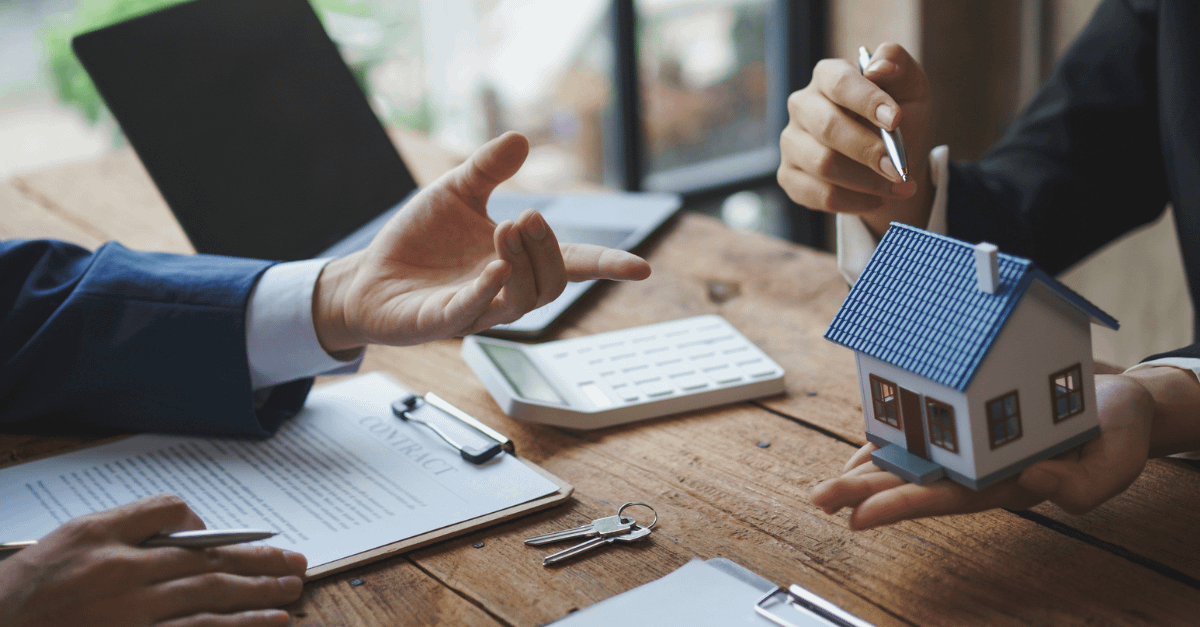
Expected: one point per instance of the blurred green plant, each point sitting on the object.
(75, 87)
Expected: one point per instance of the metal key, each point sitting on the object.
(635, 534)
(601, 527)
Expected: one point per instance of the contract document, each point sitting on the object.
(345, 476)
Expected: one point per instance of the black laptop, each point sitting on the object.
(263, 145)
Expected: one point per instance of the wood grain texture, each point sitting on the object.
(22, 217)
(114, 196)
(1133, 561)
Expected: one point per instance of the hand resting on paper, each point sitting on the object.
(91, 571)
(441, 268)
(1145, 413)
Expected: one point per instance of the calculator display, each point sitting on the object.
(521, 373)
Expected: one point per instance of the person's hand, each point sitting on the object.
(441, 268)
(91, 571)
(832, 156)
(1076, 481)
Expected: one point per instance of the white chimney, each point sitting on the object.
(987, 267)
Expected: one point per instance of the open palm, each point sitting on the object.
(442, 268)
(1076, 481)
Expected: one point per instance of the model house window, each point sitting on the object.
(941, 425)
(1066, 393)
(883, 398)
(1004, 419)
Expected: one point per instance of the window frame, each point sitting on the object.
(930, 405)
(1077, 370)
(795, 42)
(877, 402)
(991, 421)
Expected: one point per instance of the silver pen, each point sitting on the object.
(195, 539)
(892, 139)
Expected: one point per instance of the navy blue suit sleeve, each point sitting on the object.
(1083, 164)
(132, 341)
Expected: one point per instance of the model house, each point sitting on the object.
(972, 364)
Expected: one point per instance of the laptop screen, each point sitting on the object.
(250, 124)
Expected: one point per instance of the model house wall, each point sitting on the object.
(880, 432)
(1043, 336)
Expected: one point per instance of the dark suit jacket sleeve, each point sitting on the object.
(131, 341)
(1083, 164)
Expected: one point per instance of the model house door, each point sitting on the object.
(914, 423)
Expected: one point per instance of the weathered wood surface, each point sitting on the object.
(1132, 561)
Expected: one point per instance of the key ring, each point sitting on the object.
(631, 504)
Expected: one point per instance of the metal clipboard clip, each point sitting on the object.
(806, 603)
(405, 406)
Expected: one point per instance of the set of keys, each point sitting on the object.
(599, 532)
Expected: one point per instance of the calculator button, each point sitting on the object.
(689, 382)
(655, 387)
(729, 378)
(596, 395)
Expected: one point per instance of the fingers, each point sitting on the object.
(832, 155)
(585, 262)
(850, 490)
(848, 155)
(842, 84)
(860, 457)
(546, 260)
(222, 593)
(494, 163)
(520, 291)
(174, 563)
(469, 305)
(258, 618)
(135, 522)
(895, 71)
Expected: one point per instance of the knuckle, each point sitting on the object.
(210, 587)
(825, 128)
(795, 104)
(826, 68)
(840, 81)
(824, 164)
(91, 528)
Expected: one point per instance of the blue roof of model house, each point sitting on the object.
(917, 305)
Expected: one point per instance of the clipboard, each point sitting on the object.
(717, 592)
(437, 535)
(345, 482)
(445, 419)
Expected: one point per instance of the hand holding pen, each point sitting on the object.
(835, 152)
(96, 570)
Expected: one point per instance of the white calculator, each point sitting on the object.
(621, 376)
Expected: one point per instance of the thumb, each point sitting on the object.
(494, 163)
(1077, 487)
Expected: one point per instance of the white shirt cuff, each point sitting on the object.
(1183, 363)
(855, 243)
(281, 342)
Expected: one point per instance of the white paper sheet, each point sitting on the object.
(344, 476)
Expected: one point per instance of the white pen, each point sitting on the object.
(892, 139)
(195, 539)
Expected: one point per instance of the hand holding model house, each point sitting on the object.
(979, 389)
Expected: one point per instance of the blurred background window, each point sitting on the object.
(671, 95)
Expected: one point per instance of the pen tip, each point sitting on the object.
(904, 174)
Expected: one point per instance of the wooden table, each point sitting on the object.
(730, 482)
